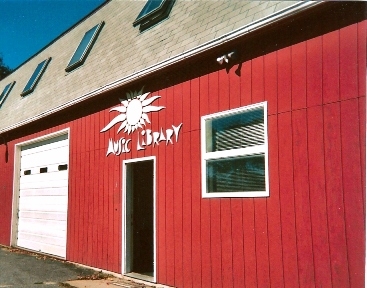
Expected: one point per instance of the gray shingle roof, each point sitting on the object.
(121, 51)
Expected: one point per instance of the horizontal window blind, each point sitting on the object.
(236, 131)
(239, 137)
(242, 174)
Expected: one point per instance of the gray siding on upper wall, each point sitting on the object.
(122, 50)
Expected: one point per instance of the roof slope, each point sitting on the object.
(121, 51)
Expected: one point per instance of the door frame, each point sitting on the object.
(16, 183)
(124, 210)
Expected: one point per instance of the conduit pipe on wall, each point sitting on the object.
(6, 147)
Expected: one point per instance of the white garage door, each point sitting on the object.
(43, 198)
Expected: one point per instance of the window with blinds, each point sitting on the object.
(234, 153)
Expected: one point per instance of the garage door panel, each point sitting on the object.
(56, 241)
(57, 216)
(43, 247)
(49, 191)
(44, 184)
(43, 196)
(51, 168)
(57, 155)
(45, 208)
(43, 203)
(41, 182)
(63, 150)
(37, 148)
(47, 176)
(42, 227)
(57, 184)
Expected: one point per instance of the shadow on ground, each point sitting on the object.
(20, 269)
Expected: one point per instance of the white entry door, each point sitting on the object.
(43, 196)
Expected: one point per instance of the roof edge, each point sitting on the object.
(240, 32)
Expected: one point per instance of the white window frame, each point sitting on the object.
(254, 150)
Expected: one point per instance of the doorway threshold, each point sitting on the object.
(146, 276)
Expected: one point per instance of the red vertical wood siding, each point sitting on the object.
(194, 163)
(352, 185)
(301, 196)
(287, 195)
(236, 204)
(310, 232)
(177, 190)
(161, 203)
(215, 248)
(170, 192)
(318, 201)
(186, 189)
(6, 190)
(291, 238)
(205, 205)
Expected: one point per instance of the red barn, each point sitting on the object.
(194, 144)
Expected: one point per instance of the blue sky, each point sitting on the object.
(26, 26)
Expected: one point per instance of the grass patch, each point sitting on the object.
(95, 276)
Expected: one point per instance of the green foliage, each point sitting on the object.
(4, 70)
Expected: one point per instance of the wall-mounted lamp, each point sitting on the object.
(227, 58)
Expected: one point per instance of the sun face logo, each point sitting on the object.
(133, 115)
(133, 112)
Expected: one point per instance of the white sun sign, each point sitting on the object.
(133, 113)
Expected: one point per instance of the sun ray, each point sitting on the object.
(142, 97)
(145, 117)
(149, 101)
(121, 109)
(148, 109)
(122, 126)
(114, 121)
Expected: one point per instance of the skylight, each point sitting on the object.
(36, 76)
(6, 92)
(84, 47)
(153, 12)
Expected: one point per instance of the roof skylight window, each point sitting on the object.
(84, 47)
(36, 76)
(6, 92)
(153, 12)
